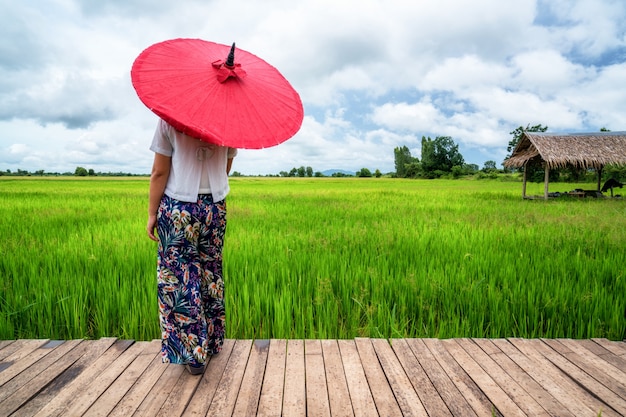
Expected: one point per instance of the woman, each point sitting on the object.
(188, 187)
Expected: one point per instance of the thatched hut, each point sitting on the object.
(582, 150)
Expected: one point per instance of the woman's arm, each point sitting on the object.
(158, 181)
(229, 165)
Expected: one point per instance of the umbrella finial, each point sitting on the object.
(230, 61)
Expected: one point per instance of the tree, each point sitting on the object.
(378, 174)
(413, 169)
(402, 157)
(533, 173)
(364, 173)
(80, 172)
(440, 156)
(309, 171)
(470, 168)
(301, 172)
(490, 166)
(517, 136)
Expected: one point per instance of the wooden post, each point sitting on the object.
(600, 177)
(524, 182)
(545, 181)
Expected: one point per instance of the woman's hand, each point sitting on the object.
(151, 227)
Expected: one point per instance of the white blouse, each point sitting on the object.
(198, 167)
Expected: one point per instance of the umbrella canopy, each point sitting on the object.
(217, 93)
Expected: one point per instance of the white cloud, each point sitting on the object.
(372, 75)
(421, 116)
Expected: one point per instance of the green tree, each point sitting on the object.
(535, 172)
(490, 166)
(309, 171)
(470, 168)
(364, 173)
(517, 136)
(402, 157)
(301, 172)
(439, 156)
(378, 174)
(81, 172)
(413, 169)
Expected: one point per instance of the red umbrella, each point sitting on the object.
(217, 93)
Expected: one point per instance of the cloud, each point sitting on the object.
(585, 30)
(372, 75)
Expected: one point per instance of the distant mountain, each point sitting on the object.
(330, 172)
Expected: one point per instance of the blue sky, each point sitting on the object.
(372, 75)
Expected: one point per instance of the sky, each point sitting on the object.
(373, 75)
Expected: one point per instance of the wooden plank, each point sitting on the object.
(159, 393)
(270, 403)
(446, 388)
(609, 351)
(486, 346)
(582, 378)
(548, 376)
(23, 359)
(551, 376)
(470, 391)
(5, 343)
(248, 400)
(181, 393)
(199, 404)
(614, 347)
(406, 397)
(601, 370)
(38, 376)
(20, 348)
(338, 394)
(579, 384)
(509, 385)
(386, 403)
(81, 376)
(19, 389)
(140, 390)
(511, 367)
(93, 349)
(228, 389)
(294, 396)
(109, 399)
(498, 397)
(317, 403)
(430, 398)
(360, 394)
(82, 402)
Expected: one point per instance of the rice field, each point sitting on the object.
(323, 258)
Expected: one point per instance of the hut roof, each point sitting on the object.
(586, 150)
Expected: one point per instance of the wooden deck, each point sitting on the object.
(361, 377)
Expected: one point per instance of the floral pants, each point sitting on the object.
(189, 277)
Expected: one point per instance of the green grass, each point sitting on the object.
(323, 258)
